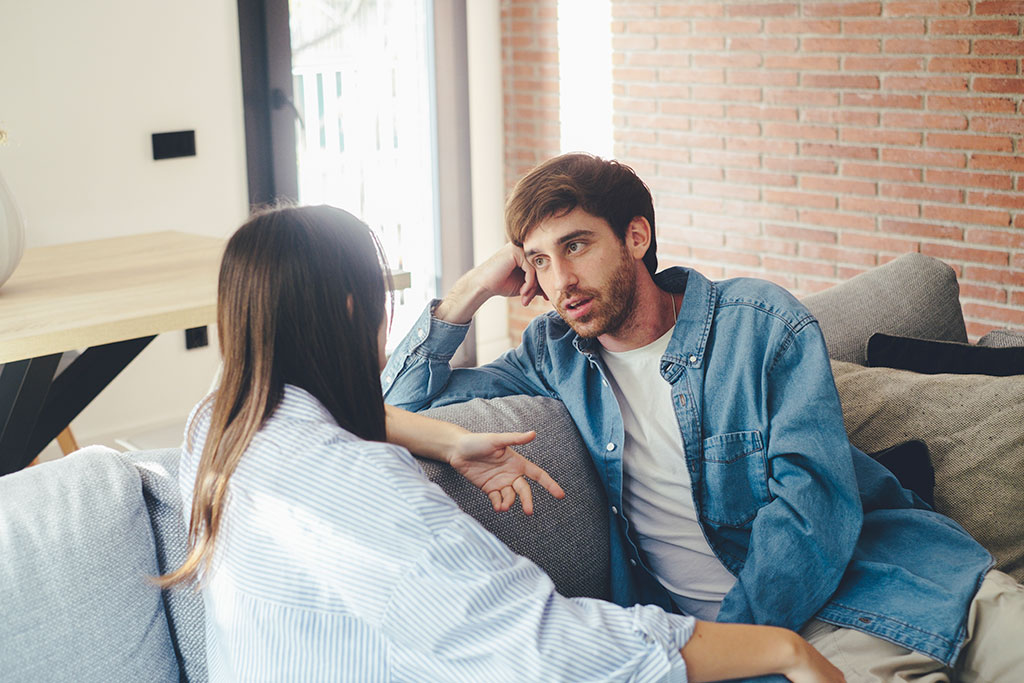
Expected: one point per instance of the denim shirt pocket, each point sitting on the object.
(735, 482)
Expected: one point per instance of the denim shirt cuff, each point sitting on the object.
(429, 338)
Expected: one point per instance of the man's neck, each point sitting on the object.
(654, 314)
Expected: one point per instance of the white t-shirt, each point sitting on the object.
(656, 494)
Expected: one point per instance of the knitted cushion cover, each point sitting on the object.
(971, 425)
(567, 538)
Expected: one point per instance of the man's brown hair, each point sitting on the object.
(602, 188)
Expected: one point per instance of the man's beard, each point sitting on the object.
(612, 304)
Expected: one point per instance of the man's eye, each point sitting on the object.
(574, 246)
(539, 262)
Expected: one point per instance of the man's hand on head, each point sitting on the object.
(506, 273)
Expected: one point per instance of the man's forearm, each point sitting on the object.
(463, 301)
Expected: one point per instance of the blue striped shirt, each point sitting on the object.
(337, 559)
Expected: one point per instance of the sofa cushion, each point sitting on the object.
(935, 357)
(567, 538)
(971, 425)
(158, 471)
(76, 552)
(1002, 339)
(912, 296)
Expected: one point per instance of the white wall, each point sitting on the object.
(83, 85)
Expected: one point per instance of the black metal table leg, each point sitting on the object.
(24, 385)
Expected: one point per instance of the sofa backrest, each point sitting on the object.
(76, 548)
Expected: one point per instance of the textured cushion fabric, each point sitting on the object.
(913, 296)
(76, 552)
(935, 357)
(567, 538)
(158, 470)
(971, 424)
(1002, 339)
(912, 465)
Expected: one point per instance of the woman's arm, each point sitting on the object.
(487, 459)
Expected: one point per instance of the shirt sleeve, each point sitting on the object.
(419, 375)
(471, 610)
(802, 541)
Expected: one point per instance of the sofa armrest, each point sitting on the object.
(912, 296)
(567, 538)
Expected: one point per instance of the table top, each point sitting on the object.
(73, 296)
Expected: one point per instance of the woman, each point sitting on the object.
(324, 553)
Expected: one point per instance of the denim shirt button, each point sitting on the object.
(610, 447)
(615, 510)
(632, 561)
(864, 620)
(682, 401)
(693, 358)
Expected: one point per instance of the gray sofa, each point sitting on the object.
(80, 536)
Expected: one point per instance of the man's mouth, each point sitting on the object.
(578, 307)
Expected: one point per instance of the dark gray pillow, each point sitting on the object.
(1002, 339)
(567, 538)
(76, 551)
(972, 427)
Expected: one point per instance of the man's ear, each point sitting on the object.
(638, 236)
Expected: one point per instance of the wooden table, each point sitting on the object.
(110, 297)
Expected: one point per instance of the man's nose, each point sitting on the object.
(563, 275)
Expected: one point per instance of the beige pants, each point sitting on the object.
(994, 650)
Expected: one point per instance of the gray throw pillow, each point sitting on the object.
(972, 427)
(1002, 339)
(76, 551)
(567, 538)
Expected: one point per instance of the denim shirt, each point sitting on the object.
(809, 525)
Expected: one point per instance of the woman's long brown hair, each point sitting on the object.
(300, 300)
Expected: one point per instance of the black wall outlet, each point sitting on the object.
(178, 144)
(196, 337)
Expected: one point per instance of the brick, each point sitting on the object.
(999, 7)
(929, 83)
(726, 256)
(876, 64)
(802, 62)
(653, 152)
(773, 9)
(722, 159)
(622, 43)
(688, 108)
(689, 76)
(821, 166)
(838, 185)
(964, 215)
(994, 313)
(687, 9)
(814, 98)
(796, 198)
(879, 207)
(1018, 261)
(761, 212)
(883, 137)
(801, 26)
(760, 178)
(898, 119)
(654, 91)
(761, 112)
(995, 162)
(1000, 238)
(999, 85)
(726, 27)
(726, 190)
(987, 143)
(875, 27)
(898, 173)
(760, 245)
(699, 42)
(761, 45)
(972, 291)
(654, 58)
(841, 45)
(782, 147)
(852, 117)
(730, 94)
(987, 124)
(838, 151)
(667, 124)
(657, 26)
(924, 157)
(929, 230)
(783, 79)
(799, 266)
(1001, 276)
(835, 219)
(1000, 105)
(1004, 201)
(877, 242)
(802, 233)
(927, 46)
(1013, 47)
(627, 74)
(926, 193)
(839, 81)
(691, 140)
(727, 60)
(730, 224)
(972, 65)
(799, 130)
(973, 27)
(838, 255)
(631, 105)
(632, 10)
(842, 9)
(965, 178)
(927, 9)
(856, 99)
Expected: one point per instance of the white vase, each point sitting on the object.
(12, 233)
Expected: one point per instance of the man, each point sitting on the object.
(711, 415)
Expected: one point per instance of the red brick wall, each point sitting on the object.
(805, 142)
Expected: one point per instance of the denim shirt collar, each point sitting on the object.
(693, 324)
